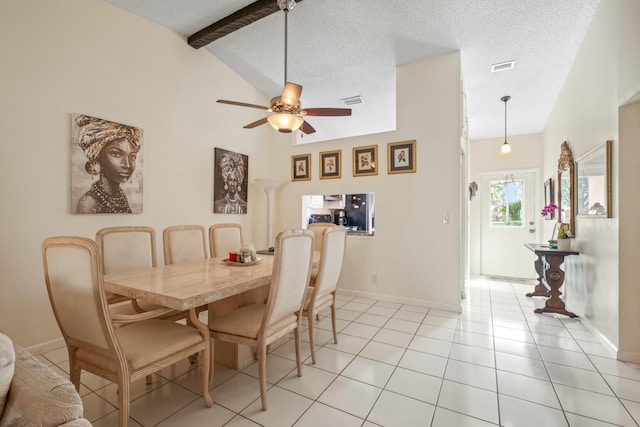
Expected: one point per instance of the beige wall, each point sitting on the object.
(413, 255)
(605, 74)
(85, 56)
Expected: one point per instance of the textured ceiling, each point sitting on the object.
(339, 49)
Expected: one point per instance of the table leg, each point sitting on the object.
(540, 290)
(555, 279)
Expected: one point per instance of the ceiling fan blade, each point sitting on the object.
(256, 123)
(307, 128)
(326, 112)
(291, 94)
(242, 104)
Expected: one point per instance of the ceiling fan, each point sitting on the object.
(287, 111)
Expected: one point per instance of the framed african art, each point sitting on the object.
(365, 160)
(230, 186)
(106, 166)
(331, 164)
(301, 167)
(401, 157)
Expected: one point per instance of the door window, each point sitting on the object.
(506, 206)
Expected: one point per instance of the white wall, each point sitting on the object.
(526, 154)
(413, 255)
(87, 56)
(605, 74)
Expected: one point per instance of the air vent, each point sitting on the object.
(354, 100)
(502, 66)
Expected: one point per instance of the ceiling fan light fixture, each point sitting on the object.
(285, 122)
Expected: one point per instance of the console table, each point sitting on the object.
(550, 279)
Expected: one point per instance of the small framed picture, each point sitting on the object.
(330, 164)
(365, 160)
(401, 157)
(301, 167)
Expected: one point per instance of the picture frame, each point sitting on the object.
(365, 160)
(548, 198)
(301, 167)
(231, 182)
(92, 172)
(593, 182)
(331, 164)
(401, 157)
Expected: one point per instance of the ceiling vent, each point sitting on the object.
(354, 100)
(503, 66)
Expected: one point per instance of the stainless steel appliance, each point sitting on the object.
(313, 218)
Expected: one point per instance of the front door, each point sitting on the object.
(508, 222)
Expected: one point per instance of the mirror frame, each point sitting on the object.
(604, 151)
(566, 164)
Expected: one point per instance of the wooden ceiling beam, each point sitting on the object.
(243, 17)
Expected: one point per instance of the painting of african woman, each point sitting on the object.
(106, 166)
(230, 186)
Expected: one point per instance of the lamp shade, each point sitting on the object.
(506, 149)
(285, 122)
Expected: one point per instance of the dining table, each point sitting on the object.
(221, 285)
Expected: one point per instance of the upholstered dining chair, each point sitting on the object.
(74, 279)
(260, 324)
(184, 243)
(318, 230)
(123, 249)
(322, 291)
(224, 238)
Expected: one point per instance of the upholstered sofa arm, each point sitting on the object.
(38, 396)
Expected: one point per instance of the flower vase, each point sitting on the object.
(564, 244)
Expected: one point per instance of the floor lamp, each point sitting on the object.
(270, 186)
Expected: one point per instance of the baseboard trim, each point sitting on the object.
(606, 343)
(45, 346)
(401, 300)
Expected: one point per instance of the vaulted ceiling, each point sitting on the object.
(340, 49)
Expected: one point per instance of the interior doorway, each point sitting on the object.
(508, 221)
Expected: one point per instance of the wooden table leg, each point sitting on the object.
(540, 290)
(554, 278)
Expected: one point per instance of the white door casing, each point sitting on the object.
(505, 228)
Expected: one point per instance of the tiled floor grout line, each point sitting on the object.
(488, 294)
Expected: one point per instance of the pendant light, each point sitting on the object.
(506, 148)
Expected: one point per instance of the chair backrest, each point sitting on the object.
(318, 230)
(184, 243)
(74, 279)
(224, 238)
(291, 273)
(127, 248)
(331, 260)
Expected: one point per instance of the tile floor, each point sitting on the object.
(497, 363)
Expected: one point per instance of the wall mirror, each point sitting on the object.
(566, 200)
(593, 171)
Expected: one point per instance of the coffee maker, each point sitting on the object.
(342, 218)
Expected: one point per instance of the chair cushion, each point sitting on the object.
(244, 322)
(146, 342)
(7, 367)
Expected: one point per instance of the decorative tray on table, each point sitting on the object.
(241, 264)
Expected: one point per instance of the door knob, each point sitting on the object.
(532, 230)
